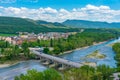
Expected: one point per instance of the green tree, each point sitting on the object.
(48, 74)
(16, 50)
(89, 73)
(51, 42)
(56, 50)
(46, 50)
(51, 74)
(106, 71)
(26, 51)
(83, 73)
(116, 48)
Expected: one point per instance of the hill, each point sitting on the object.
(50, 24)
(14, 25)
(90, 24)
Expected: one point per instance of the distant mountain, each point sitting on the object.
(90, 24)
(50, 24)
(14, 25)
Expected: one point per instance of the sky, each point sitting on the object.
(61, 10)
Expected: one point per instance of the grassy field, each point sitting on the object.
(6, 35)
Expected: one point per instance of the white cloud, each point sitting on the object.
(13, 1)
(89, 12)
(7, 1)
(48, 10)
(34, 1)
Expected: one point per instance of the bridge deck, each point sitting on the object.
(57, 59)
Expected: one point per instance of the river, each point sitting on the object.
(8, 73)
(104, 48)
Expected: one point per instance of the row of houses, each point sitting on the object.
(31, 37)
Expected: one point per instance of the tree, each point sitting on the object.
(51, 74)
(48, 74)
(8, 53)
(56, 50)
(16, 50)
(46, 50)
(26, 51)
(24, 45)
(31, 75)
(2, 50)
(83, 73)
(106, 71)
(116, 48)
(7, 44)
(89, 73)
(51, 42)
(4, 44)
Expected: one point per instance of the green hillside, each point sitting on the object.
(14, 25)
(90, 24)
(51, 24)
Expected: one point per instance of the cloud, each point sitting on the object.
(33, 1)
(89, 12)
(13, 1)
(7, 1)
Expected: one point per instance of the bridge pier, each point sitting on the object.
(64, 66)
(51, 62)
(37, 57)
(42, 59)
(46, 61)
(54, 64)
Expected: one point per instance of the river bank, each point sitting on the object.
(7, 63)
(4, 65)
(67, 52)
(10, 63)
(13, 61)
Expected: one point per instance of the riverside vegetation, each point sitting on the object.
(13, 52)
(84, 73)
(116, 48)
(78, 40)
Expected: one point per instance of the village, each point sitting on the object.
(31, 37)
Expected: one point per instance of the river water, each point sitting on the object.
(104, 48)
(8, 73)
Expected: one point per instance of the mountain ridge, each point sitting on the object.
(15, 24)
(90, 24)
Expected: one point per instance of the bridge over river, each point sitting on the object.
(56, 60)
